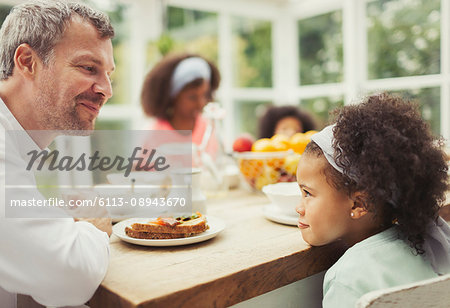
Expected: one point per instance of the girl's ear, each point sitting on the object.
(359, 208)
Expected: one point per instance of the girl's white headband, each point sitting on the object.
(324, 139)
(188, 70)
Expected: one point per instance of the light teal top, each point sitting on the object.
(380, 261)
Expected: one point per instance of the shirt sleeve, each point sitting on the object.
(338, 295)
(57, 261)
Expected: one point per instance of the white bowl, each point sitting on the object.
(285, 196)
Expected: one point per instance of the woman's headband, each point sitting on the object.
(187, 71)
(324, 139)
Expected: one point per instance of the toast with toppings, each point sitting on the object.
(169, 227)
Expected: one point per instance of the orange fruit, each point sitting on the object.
(280, 142)
(279, 138)
(263, 145)
(280, 146)
(298, 142)
(310, 133)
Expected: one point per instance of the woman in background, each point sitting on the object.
(176, 90)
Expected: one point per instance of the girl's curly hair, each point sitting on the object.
(274, 114)
(390, 152)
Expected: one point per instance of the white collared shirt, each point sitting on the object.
(58, 262)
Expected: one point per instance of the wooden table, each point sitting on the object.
(250, 257)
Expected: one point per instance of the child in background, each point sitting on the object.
(285, 120)
(375, 180)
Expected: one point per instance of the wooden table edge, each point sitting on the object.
(238, 286)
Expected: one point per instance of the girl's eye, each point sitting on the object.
(306, 193)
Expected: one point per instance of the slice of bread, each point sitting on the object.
(155, 236)
(167, 228)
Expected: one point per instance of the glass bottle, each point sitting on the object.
(213, 157)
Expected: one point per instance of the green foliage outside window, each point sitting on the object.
(320, 45)
(403, 38)
(120, 144)
(429, 103)
(252, 51)
(4, 11)
(246, 116)
(179, 17)
(121, 75)
(320, 108)
(186, 30)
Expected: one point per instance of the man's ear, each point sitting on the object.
(25, 60)
(359, 208)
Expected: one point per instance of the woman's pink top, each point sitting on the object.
(197, 135)
(197, 132)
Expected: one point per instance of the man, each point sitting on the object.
(55, 64)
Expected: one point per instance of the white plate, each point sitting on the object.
(272, 213)
(216, 225)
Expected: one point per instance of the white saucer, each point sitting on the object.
(272, 213)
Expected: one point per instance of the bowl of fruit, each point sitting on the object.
(269, 160)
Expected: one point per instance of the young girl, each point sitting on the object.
(375, 180)
(286, 120)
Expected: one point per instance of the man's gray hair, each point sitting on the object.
(41, 24)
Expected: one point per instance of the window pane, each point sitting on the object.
(121, 75)
(101, 124)
(320, 108)
(121, 51)
(403, 38)
(429, 102)
(186, 31)
(252, 52)
(321, 56)
(4, 11)
(120, 145)
(246, 116)
(179, 17)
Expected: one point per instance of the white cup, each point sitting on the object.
(284, 196)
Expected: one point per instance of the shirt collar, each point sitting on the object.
(14, 130)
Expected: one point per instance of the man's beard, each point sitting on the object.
(65, 117)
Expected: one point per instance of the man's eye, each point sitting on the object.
(88, 68)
